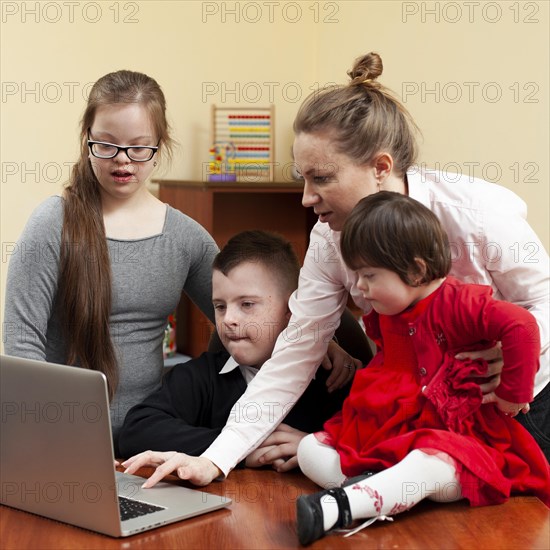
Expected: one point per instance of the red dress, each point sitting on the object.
(396, 405)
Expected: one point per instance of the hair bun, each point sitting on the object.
(366, 68)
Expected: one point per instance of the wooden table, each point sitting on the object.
(262, 515)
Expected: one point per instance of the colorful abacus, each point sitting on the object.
(242, 144)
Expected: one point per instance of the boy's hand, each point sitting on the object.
(279, 450)
(198, 470)
(508, 408)
(493, 356)
(343, 366)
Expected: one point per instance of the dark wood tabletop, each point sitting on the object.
(262, 515)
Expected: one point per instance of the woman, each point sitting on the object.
(102, 267)
(353, 141)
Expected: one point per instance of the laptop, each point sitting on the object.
(56, 455)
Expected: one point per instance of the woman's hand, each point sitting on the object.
(343, 366)
(198, 470)
(491, 379)
(279, 449)
(507, 407)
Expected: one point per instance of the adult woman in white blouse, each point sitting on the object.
(352, 141)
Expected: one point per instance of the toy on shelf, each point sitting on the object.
(222, 162)
(243, 144)
(169, 340)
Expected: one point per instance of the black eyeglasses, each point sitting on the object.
(105, 150)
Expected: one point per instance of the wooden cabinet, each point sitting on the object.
(225, 209)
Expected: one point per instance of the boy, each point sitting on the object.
(252, 280)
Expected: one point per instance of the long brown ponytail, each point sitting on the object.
(85, 294)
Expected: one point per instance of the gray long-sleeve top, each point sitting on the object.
(148, 276)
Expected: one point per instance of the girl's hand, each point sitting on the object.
(343, 366)
(508, 408)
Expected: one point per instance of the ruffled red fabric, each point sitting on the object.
(387, 415)
(454, 391)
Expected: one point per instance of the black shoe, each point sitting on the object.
(356, 479)
(309, 515)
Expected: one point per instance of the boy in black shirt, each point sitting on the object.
(253, 278)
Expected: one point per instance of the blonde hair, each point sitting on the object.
(363, 117)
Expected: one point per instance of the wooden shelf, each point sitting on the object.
(233, 186)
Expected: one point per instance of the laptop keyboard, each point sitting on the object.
(130, 509)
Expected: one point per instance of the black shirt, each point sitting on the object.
(191, 408)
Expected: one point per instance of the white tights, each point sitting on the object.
(419, 475)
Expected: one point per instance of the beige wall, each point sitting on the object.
(473, 74)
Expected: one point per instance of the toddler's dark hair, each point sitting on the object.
(391, 231)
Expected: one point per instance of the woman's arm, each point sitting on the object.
(520, 269)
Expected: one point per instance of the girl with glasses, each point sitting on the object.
(110, 260)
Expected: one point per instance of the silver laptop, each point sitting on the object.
(56, 455)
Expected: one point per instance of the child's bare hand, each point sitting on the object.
(507, 407)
